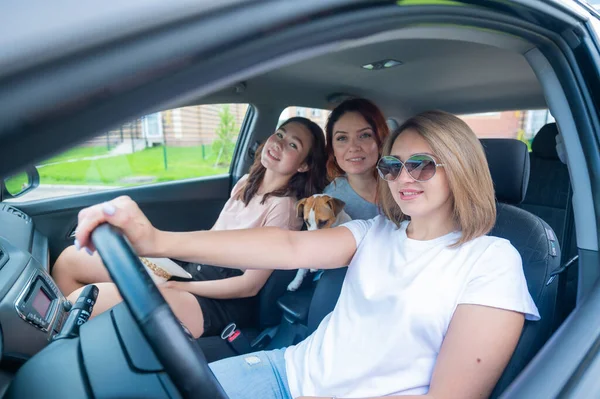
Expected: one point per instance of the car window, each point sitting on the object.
(319, 116)
(171, 145)
(520, 124)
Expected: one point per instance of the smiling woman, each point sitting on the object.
(355, 132)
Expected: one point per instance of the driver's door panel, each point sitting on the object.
(176, 206)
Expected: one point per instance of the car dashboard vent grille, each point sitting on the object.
(16, 212)
(3, 257)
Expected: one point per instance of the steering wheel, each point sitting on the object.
(181, 357)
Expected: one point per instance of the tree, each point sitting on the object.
(226, 132)
(521, 137)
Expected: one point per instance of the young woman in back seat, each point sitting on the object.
(291, 166)
(356, 130)
(431, 306)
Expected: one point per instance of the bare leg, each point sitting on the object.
(74, 269)
(184, 305)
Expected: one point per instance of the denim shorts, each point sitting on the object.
(255, 375)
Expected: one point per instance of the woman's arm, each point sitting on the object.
(261, 248)
(245, 286)
(264, 248)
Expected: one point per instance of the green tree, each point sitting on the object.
(521, 137)
(226, 132)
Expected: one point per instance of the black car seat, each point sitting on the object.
(535, 240)
(269, 316)
(548, 189)
(549, 197)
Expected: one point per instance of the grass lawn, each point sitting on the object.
(182, 163)
(78, 152)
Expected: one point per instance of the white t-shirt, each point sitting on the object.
(396, 303)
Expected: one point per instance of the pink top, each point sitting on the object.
(276, 212)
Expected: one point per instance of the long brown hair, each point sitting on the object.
(301, 184)
(456, 146)
(372, 115)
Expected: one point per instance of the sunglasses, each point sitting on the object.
(421, 167)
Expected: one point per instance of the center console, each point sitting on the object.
(41, 304)
(32, 308)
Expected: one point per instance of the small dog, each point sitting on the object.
(319, 212)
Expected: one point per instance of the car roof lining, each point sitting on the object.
(455, 68)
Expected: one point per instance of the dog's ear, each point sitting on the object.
(300, 208)
(337, 205)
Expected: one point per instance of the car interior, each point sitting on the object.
(446, 64)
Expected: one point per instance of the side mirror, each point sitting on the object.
(17, 185)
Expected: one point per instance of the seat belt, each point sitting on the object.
(566, 263)
(568, 227)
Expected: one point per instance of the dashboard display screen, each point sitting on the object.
(41, 303)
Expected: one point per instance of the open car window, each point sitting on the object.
(183, 143)
(317, 115)
(520, 124)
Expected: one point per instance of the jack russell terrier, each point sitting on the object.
(319, 212)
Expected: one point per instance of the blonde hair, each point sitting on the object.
(456, 146)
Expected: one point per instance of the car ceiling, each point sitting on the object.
(455, 69)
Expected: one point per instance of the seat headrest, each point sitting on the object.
(544, 143)
(508, 160)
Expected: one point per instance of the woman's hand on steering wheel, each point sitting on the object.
(124, 213)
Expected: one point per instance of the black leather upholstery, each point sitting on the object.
(325, 297)
(544, 142)
(269, 314)
(295, 305)
(549, 181)
(508, 160)
(527, 233)
(535, 240)
(548, 197)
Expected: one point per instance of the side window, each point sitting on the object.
(521, 124)
(171, 145)
(317, 115)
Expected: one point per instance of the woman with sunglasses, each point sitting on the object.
(430, 306)
(355, 132)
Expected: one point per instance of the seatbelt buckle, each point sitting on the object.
(235, 339)
(230, 332)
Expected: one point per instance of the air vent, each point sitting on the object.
(17, 213)
(3, 257)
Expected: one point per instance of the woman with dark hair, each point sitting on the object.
(355, 132)
(290, 166)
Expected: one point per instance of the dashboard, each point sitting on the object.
(32, 309)
(109, 357)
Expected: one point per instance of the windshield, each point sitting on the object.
(593, 3)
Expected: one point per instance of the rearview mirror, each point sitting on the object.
(16, 185)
